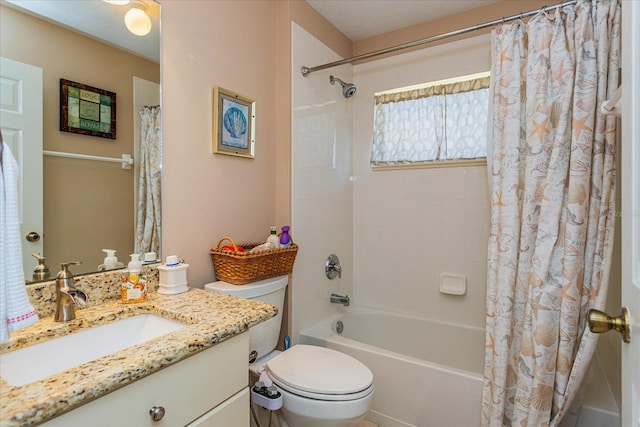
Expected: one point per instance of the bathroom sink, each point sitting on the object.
(39, 361)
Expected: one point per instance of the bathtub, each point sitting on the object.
(426, 373)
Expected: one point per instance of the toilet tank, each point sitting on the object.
(263, 337)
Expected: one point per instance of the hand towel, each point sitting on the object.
(16, 310)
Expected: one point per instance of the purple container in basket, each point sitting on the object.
(285, 240)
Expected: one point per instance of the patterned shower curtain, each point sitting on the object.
(553, 208)
(148, 214)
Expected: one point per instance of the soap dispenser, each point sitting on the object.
(41, 272)
(134, 282)
(110, 261)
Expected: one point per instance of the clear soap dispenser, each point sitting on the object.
(110, 261)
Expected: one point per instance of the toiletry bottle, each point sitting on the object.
(110, 261)
(285, 239)
(134, 283)
(273, 240)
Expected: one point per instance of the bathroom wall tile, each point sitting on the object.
(452, 213)
(475, 249)
(452, 183)
(476, 183)
(453, 245)
(477, 214)
(430, 243)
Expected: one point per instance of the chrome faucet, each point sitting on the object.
(67, 294)
(339, 299)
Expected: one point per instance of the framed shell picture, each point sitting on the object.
(233, 123)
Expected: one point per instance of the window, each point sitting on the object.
(436, 122)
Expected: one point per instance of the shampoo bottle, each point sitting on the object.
(134, 283)
(273, 240)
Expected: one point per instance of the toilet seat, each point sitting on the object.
(320, 373)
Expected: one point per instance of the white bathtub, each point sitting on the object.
(426, 373)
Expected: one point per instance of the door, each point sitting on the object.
(630, 160)
(21, 126)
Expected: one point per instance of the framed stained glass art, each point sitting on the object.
(87, 110)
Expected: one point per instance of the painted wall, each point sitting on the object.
(87, 205)
(207, 196)
(322, 196)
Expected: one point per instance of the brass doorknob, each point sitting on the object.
(32, 236)
(600, 322)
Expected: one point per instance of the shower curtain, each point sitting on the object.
(148, 215)
(552, 208)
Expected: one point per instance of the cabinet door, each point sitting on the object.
(185, 390)
(232, 412)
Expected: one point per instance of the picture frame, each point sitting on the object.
(87, 110)
(233, 123)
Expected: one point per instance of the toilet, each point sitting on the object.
(321, 387)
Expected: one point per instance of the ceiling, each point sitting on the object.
(361, 19)
(99, 20)
(356, 19)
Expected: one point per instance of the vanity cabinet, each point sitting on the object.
(206, 389)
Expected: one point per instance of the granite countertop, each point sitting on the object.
(210, 318)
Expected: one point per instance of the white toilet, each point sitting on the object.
(320, 387)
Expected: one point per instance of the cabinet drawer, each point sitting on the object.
(232, 412)
(186, 390)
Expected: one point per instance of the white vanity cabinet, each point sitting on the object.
(206, 389)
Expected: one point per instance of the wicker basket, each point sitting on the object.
(240, 268)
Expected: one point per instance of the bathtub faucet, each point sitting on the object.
(339, 299)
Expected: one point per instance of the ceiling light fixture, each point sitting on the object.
(137, 20)
(117, 2)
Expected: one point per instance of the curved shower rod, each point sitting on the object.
(308, 70)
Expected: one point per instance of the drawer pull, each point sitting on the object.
(156, 413)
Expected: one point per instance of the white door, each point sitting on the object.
(21, 126)
(630, 160)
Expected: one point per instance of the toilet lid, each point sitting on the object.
(320, 370)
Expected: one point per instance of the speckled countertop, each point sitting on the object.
(210, 318)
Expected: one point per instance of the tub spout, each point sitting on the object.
(339, 299)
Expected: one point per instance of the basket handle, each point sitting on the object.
(235, 248)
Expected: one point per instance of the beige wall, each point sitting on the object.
(207, 196)
(88, 205)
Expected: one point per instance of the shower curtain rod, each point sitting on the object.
(308, 70)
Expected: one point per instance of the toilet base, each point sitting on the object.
(298, 411)
(314, 422)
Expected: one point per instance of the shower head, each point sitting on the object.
(348, 89)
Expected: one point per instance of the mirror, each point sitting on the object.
(88, 204)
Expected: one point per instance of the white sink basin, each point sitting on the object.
(39, 361)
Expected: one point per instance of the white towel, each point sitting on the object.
(16, 310)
